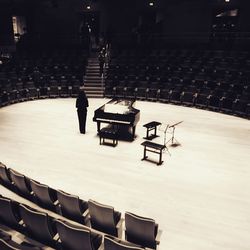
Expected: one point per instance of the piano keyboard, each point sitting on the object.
(111, 121)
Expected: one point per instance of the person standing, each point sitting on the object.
(81, 105)
(101, 58)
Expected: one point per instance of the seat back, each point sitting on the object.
(38, 224)
(20, 182)
(116, 244)
(140, 230)
(43, 194)
(70, 206)
(9, 213)
(102, 217)
(74, 238)
(11, 245)
(4, 175)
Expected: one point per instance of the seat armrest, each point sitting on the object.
(56, 237)
(119, 224)
(86, 212)
(101, 247)
(21, 223)
(56, 203)
(158, 236)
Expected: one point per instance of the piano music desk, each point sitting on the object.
(154, 148)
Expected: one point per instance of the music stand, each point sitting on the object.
(173, 139)
(164, 128)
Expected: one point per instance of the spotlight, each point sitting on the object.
(151, 4)
(88, 7)
(227, 1)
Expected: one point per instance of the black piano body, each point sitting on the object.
(121, 114)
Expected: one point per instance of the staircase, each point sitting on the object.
(93, 82)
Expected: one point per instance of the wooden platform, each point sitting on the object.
(200, 195)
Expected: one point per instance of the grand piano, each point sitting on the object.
(119, 113)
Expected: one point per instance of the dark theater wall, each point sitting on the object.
(6, 29)
(187, 20)
(56, 20)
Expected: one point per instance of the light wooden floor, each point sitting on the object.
(200, 196)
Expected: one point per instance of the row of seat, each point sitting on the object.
(50, 231)
(32, 93)
(208, 100)
(139, 230)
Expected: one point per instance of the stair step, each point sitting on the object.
(87, 88)
(93, 72)
(93, 81)
(95, 96)
(93, 85)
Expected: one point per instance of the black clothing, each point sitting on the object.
(81, 105)
(101, 58)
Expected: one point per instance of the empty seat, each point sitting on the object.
(188, 98)
(72, 207)
(116, 244)
(214, 103)
(21, 183)
(175, 96)
(141, 230)
(227, 105)
(44, 195)
(9, 213)
(201, 100)
(77, 238)
(104, 218)
(38, 225)
(241, 108)
(4, 176)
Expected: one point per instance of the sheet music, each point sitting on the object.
(116, 108)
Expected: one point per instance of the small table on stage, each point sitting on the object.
(154, 148)
(151, 126)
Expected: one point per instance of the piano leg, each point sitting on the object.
(133, 132)
(98, 127)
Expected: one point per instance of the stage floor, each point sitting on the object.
(200, 195)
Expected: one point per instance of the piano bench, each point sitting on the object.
(110, 133)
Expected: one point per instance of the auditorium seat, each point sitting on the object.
(241, 108)
(214, 103)
(38, 225)
(44, 195)
(9, 213)
(164, 95)
(227, 105)
(72, 207)
(188, 98)
(21, 183)
(74, 237)
(140, 230)
(5, 176)
(112, 243)
(104, 218)
(175, 96)
(201, 101)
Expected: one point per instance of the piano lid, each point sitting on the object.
(118, 106)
